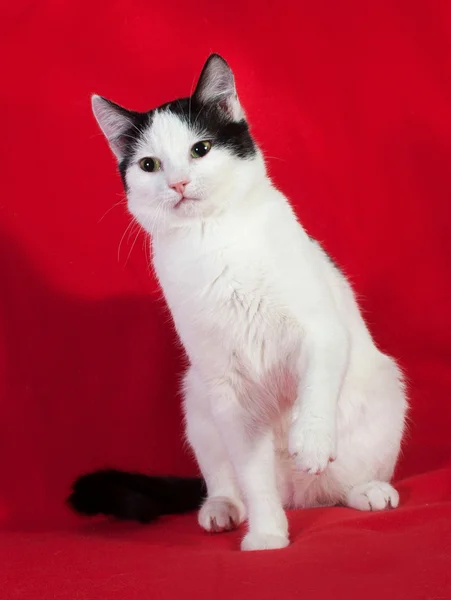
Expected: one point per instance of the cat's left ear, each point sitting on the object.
(216, 85)
(114, 121)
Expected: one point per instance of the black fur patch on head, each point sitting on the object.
(212, 123)
(131, 137)
(209, 120)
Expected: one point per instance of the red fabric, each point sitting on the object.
(351, 102)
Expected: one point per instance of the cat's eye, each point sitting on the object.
(150, 165)
(200, 149)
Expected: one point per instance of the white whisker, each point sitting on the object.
(132, 246)
(121, 201)
(189, 104)
(132, 222)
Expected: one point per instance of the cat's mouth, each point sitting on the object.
(183, 200)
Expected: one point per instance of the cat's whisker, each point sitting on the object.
(146, 248)
(132, 246)
(198, 115)
(135, 127)
(190, 97)
(129, 226)
(274, 157)
(163, 213)
(127, 135)
(121, 201)
(95, 135)
(154, 231)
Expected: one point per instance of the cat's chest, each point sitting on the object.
(213, 281)
(229, 306)
(220, 293)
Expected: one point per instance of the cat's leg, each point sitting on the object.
(371, 423)
(371, 449)
(313, 433)
(251, 450)
(223, 508)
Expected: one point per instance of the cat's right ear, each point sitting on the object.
(114, 121)
(216, 85)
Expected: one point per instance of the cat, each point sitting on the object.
(288, 401)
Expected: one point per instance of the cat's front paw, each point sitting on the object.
(264, 541)
(312, 447)
(219, 514)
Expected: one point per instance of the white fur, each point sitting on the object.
(288, 401)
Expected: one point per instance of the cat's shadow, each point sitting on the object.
(84, 383)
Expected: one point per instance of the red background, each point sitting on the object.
(351, 103)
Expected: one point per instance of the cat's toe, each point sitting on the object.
(220, 514)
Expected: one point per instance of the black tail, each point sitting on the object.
(133, 496)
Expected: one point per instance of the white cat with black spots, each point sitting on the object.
(288, 401)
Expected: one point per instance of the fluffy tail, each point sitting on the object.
(135, 497)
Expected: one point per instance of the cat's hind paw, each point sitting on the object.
(374, 495)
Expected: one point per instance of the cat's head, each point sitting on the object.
(188, 159)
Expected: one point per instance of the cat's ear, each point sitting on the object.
(217, 85)
(114, 121)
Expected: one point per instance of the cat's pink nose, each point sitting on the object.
(179, 186)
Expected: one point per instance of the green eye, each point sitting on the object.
(200, 149)
(150, 165)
